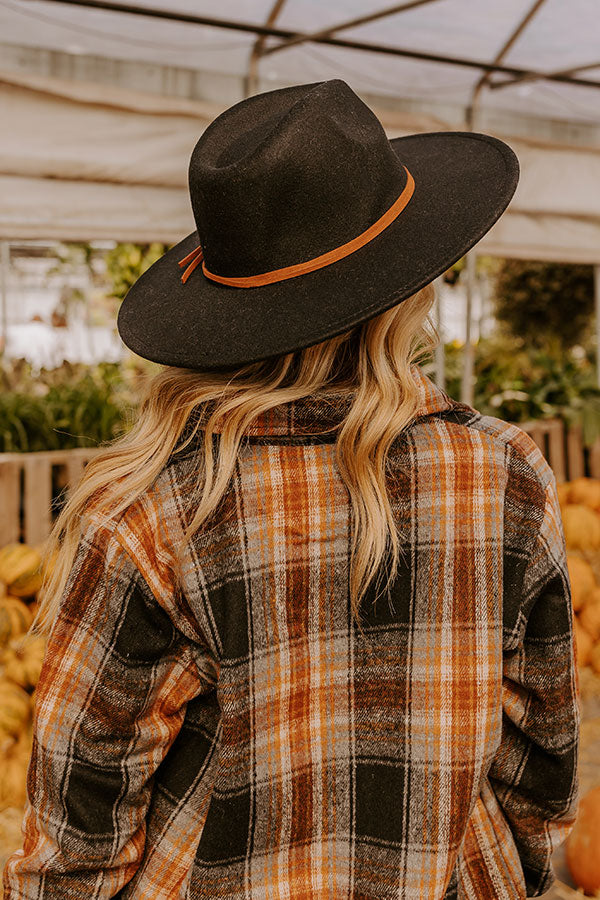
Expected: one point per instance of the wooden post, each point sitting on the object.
(38, 498)
(597, 297)
(35, 497)
(440, 360)
(10, 498)
(556, 449)
(467, 392)
(4, 267)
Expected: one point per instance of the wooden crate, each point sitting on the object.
(564, 449)
(28, 490)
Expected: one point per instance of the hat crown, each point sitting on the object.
(287, 175)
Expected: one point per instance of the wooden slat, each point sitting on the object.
(10, 495)
(36, 502)
(556, 449)
(575, 454)
(74, 467)
(594, 459)
(536, 431)
(38, 498)
(55, 456)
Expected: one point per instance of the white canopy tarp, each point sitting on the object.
(82, 161)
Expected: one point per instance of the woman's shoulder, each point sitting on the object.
(521, 454)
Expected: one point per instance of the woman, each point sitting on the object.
(228, 707)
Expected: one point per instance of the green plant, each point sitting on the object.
(543, 301)
(72, 406)
(515, 382)
(126, 262)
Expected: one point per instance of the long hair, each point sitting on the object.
(372, 360)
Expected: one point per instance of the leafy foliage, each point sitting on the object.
(540, 301)
(71, 406)
(518, 383)
(126, 262)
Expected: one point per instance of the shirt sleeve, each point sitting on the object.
(111, 698)
(534, 772)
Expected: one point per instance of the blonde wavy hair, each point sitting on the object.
(372, 360)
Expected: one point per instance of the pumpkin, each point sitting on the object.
(11, 837)
(24, 743)
(583, 643)
(20, 568)
(589, 618)
(48, 562)
(591, 598)
(15, 708)
(15, 618)
(585, 490)
(582, 848)
(23, 664)
(581, 527)
(595, 658)
(581, 576)
(21, 745)
(563, 490)
(13, 779)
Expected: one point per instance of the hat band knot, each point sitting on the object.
(318, 262)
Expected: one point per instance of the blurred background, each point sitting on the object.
(101, 104)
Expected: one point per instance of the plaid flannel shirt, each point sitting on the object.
(240, 738)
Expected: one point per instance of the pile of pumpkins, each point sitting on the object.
(21, 572)
(580, 510)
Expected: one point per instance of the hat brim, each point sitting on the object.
(463, 183)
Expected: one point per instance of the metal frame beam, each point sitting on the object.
(350, 23)
(466, 388)
(251, 79)
(335, 42)
(535, 76)
(510, 41)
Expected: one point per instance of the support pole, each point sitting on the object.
(466, 392)
(440, 355)
(4, 266)
(597, 295)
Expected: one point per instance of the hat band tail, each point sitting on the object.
(310, 265)
(196, 257)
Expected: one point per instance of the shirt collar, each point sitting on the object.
(316, 415)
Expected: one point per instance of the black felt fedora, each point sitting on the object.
(309, 221)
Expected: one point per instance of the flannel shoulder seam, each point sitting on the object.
(517, 441)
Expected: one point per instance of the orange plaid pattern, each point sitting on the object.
(241, 738)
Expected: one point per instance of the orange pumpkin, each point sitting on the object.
(595, 658)
(582, 848)
(23, 663)
(563, 490)
(583, 643)
(589, 618)
(15, 708)
(13, 780)
(593, 597)
(585, 490)
(33, 608)
(581, 527)
(581, 576)
(15, 618)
